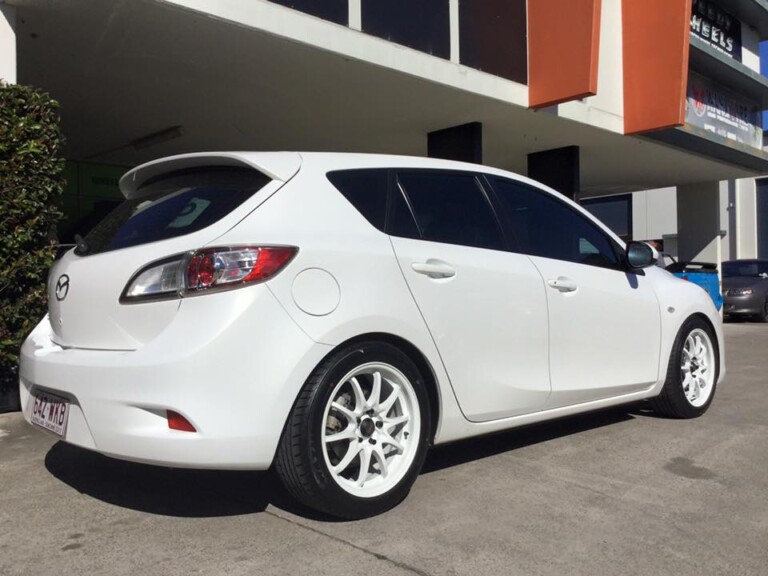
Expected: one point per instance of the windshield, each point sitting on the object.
(173, 205)
(747, 268)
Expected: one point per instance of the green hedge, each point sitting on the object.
(31, 184)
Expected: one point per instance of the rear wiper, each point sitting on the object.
(81, 245)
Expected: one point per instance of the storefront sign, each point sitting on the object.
(722, 112)
(716, 27)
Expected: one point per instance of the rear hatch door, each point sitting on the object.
(172, 206)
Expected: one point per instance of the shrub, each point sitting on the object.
(31, 184)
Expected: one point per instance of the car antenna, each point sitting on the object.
(82, 245)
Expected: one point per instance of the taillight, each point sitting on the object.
(224, 267)
(207, 270)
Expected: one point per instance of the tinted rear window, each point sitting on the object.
(175, 204)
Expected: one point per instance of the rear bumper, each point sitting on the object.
(231, 363)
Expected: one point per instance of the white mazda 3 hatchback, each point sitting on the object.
(336, 314)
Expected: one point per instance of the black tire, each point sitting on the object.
(305, 456)
(673, 401)
(764, 316)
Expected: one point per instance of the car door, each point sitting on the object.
(604, 320)
(484, 306)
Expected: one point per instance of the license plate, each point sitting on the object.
(50, 412)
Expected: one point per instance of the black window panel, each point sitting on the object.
(420, 24)
(333, 10)
(493, 37)
(762, 218)
(452, 208)
(615, 212)
(366, 190)
(541, 225)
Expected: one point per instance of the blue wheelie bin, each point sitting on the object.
(702, 273)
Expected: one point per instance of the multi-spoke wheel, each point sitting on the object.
(692, 372)
(356, 438)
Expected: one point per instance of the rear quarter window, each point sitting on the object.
(366, 190)
(175, 204)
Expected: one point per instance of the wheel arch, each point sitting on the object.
(418, 358)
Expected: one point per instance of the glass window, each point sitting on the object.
(541, 225)
(613, 211)
(333, 10)
(493, 37)
(401, 222)
(422, 25)
(751, 268)
(451, 208)
(175, 204)
(366, 190)
(762, 217)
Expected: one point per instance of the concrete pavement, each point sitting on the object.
(619, 492)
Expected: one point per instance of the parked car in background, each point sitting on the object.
(745, 288)
(337, 314)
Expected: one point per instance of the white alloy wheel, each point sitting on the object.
(358, 432)
(692, 372)
(697, 367)
(371, 429)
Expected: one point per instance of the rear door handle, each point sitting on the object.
(433, 269)
(563, 284)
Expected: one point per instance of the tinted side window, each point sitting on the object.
(366, 190)
(401, 222)
(451, 208)
(541, 225)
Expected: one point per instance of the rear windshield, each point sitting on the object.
(746, 268)
(174, 204)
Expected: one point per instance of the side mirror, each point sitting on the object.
(641, 255)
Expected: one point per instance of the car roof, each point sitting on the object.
(283, 165)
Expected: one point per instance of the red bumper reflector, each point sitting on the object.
(177, 422)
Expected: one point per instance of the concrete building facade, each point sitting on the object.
(598, 98)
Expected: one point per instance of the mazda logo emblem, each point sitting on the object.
(62, 287)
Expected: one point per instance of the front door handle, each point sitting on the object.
(563, 284)
(434, 269)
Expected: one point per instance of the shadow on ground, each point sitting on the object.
(211, 493)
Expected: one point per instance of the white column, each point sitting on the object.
(698, 222)
(7, 44)
(746, 218)
(355, 14)
(453, 6)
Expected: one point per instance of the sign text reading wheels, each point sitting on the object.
(62, 287)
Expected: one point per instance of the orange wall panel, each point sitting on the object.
(563, 46)
(656, 45)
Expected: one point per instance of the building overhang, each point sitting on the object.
(711, 145)
(729, 72)
(755, 12)
(271, 78)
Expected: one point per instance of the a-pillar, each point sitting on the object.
(7, 44)
(698, 222)
(557, 168)
(464, 143)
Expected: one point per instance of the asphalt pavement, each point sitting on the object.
(617, 492)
